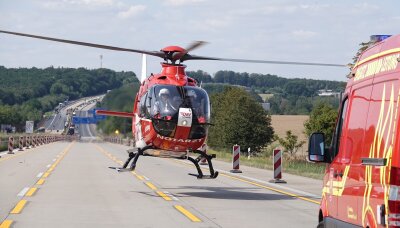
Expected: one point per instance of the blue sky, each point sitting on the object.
(287, 30)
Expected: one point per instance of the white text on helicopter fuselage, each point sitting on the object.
(178, 140)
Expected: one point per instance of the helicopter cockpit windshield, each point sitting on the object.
(168, 99)
(163, 104)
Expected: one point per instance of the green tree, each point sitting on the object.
(239, 119)
(322, 119)
(290, 143)
(121, 99)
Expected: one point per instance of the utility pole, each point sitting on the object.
(101, 61)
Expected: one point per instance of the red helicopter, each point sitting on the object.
(171, 113)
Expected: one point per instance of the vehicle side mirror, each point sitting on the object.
(316, 147)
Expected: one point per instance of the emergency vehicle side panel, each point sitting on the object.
(379, 146)
(351, 145)
(357, 182)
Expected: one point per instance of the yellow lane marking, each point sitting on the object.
(139, 177)
(272, 189)
(151, 186)
(187, 213)
(162, 194)
(46, 174)
(20, 205)
(40, 181)
(31, 192)
(6, 224)
(261, 186)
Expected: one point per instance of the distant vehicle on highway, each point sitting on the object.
(71, 131)
(41, 130)
(362, 181)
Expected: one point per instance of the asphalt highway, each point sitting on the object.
(68, 184)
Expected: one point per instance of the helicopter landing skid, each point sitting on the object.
(200, 175)
(134, 156)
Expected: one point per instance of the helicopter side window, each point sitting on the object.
(143, 109)
(197, 99)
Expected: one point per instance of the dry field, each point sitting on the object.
(295, 123)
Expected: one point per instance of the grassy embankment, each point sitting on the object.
(298, 166)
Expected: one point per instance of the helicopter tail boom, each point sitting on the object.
(113, 113)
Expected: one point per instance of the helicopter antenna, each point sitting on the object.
(144, 68)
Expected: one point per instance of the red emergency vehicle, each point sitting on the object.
(362, 179)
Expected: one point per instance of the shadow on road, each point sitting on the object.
(232, 193)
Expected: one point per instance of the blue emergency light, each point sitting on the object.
(379, 38)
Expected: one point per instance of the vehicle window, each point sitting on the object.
(338, 131)
(143, 109)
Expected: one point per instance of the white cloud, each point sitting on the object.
(91, 2)
(315, 7)
(182, 2)
(279, 9)
(365, 8)
(56, 5)
(302, 34)
(132, 11)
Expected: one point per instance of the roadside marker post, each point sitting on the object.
(277, 161)
(236, 159)
(33, 144)
(204, 149)
(21, 143)
(27, 142)
(10, 145)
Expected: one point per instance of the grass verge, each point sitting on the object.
(293, 166)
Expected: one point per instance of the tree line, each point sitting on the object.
(27, 93)
(287, 96)
(267, 83)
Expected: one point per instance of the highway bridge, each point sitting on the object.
(69, 184)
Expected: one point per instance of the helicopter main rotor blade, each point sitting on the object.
(182, 56)
(194, 57)
(192, 46)
(153, 53)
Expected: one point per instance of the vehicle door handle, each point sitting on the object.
(336, 174)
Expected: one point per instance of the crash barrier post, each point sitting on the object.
(10, 145)
(203, 148)
(33, 142)
(27, 142)
(21, 143)
(277, 161)
(236, 159)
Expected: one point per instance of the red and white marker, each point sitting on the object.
(277, 160)
(236, 159)
(10, 145)
(204, 149)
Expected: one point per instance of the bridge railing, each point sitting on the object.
(119, 140)
(25, 141)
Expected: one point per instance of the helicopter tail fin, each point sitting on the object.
(144, 68)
